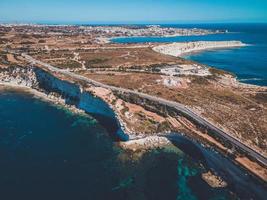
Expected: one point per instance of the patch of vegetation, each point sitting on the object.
(3, 58)
(141, 115)
(137, 67)
(200, 80)
(68, 64)
(219, 72)
(164, 126)
(42, 41)
(100, 66)
(227, 96)
(124, 110)
(24, 36)
(38, 36)
(96, 61)
(113, 101)
(149, 125)
(261, 97)
(3, 40)
(27, 42)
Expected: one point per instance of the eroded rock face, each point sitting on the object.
(23, 76)
(147, 143)
(213, 180)
(71, 92)
(130, 118)
(39, 79)
(49, 82)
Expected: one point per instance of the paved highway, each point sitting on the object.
(179, 107)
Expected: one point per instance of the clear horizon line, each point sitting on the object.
(50, 22)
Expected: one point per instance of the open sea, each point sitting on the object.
(248, 63)
(48, 152)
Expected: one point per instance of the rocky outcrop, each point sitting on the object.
(48, 82)
(213, 180)
(73, 94)
(147, 143)
(23, 76)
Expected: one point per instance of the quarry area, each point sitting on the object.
(125, 73)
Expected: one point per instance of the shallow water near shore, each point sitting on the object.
(248, 63)
(48, 152)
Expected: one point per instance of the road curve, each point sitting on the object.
(179, 107)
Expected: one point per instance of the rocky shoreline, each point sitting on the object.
(29, 78)
(69, 94)
(51, 97)
(135, 142)
(26, 79)
(140, 145)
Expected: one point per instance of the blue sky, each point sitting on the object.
(106, 11)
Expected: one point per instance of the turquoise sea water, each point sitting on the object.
(248, 63)
(47, 152)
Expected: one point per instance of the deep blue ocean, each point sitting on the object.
(48, 152)
(248, 63)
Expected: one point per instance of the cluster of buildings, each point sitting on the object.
(186, 69)
(111, 31)
(151, 30)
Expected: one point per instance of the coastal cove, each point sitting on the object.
(247, 63)
(69, 135)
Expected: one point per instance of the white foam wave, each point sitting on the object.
(251, 79)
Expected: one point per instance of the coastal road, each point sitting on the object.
(179, 107)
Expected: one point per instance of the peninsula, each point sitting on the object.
(177, 49)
